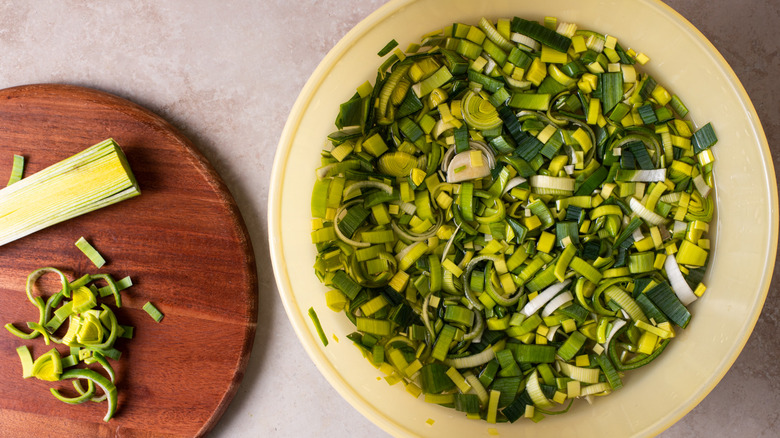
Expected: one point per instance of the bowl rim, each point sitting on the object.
(274, 215)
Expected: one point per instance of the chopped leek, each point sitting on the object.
(90, 251)
(522, 218)
(153, 311)
(91, 334)
(317, 326)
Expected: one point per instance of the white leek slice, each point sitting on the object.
(677, 281)
(546, 295)
(616, 325)
(557, 302)
(512, 183)
(701, 186)
(525, 40)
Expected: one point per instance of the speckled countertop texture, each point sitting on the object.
(226, 73)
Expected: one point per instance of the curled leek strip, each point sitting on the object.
(111, 285)
(108, 388)
(415, 237)
(477, 329)
(81, 398)
(43, 309)
(500, 299)
(425, 317)
(341, 235)
(36, 274)
(472, 361)
(467, 280)
(367, 184)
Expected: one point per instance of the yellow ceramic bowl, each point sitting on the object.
(745, 236)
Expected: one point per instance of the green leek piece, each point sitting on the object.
(459, 315)
(120, 285)
(436, 80)
(542, 34)
(153, 311)
(703, 138)
(666, 300)
(379, 327)
(572, 345)
(535, 353)
(112, 286)
(17, 170)
(90, 251)
(91, 331)
(678, 106)
(442, 345)
(624, 300)
(539, 102)
(468, 403)
(508, 363)
(610, 90)
(317, 326)
(94, 178)
(70, 360)
(508, 388)
(392, 44)
(346, 284)
(489, 84)
(434, 378)
(609, 371)
(27, 361)
(454, 62)
(636, 362)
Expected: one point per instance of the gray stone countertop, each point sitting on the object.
(227, 74)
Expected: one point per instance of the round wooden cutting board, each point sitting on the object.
(183, 243)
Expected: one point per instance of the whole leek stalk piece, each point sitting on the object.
(91, 179)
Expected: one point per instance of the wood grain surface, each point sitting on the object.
(184, 244)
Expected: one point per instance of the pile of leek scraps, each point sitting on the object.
(90, 330)
(513, 216)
